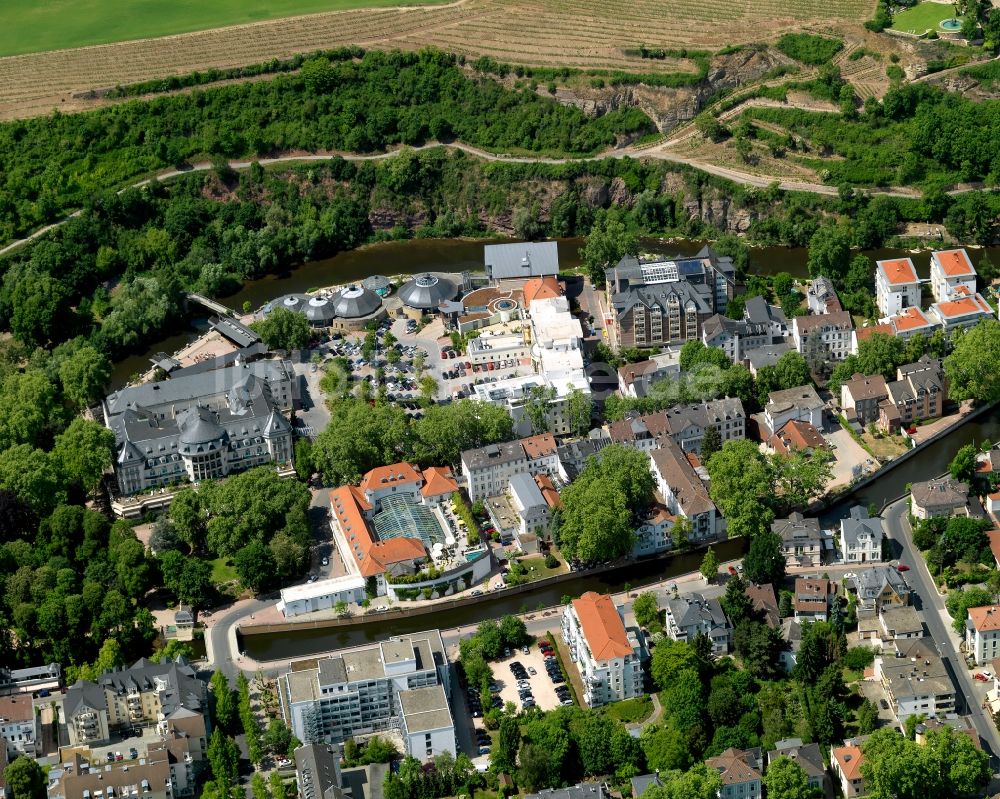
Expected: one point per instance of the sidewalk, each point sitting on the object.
(931, 429)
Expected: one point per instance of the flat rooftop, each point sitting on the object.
(425, 709)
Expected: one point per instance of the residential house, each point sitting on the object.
(684, 424)
(757, 311)
(737, 338)
(880, 587)
(861, 396)
(533, 512)
(918, 392)
(801, 403)
(900, 624)
(766, 355)
(963, 311)
(654, 533)
(607, 654)
(813, 598)
(582, 791)
(861, 537)
(915, 679)
(952, 274)
(521, 260)
(636, 379)
(910, 321)
(317, 772)
(797, 436)
(19, 726)
(741, 771)
(573, 457)
(643, 782)
(689, 615)
(683, 491)
(361, 690)
(982, 633)
(487, 470)
(896, 286)
(821, 296)
(764, 603)
(810, 759)
(791, 632)
(942, 496)
(801, 540)
(823, 338)
(31, 678)
(845, 763)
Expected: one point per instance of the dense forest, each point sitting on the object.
(54, 163)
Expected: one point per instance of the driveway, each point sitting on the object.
(849, 453)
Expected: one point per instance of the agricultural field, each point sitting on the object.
(594, 34)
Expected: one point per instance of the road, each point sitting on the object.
(938, 623)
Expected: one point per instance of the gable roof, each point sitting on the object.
(602, 626)
(736, 766)
(541, 288)
(849, 758)
(438, 481)
(798, 434)
(539, 446)
(859, 523)
(897, 271)
(985, 618)
(954, 263)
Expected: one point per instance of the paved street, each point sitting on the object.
(931, 607)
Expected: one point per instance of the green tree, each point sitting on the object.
(880, 354)
(361, 438)
(646, 609)
(82, 452)
(830, 252)
(963, 465)
(711, 442)
(803, 476)
(277, 737)
(224, 702)
(283, 329)
(742, 485)
(785, 779)
(959, 601)
(867, 718)
(665, 747)
(224, 758)
(579, 407)
(668, 660)
(255, 566)
(504, 756)
(25, 779)
(608, 242)
(83, 375)
(735, 601)
(973, 368)
(699, 782)
(709, 566)
(448, 430)
(792, 371)
(764, 562)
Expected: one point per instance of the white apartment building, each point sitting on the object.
(607, 655)
(488, 470)
(399, 684)
(532, 510)
(982, 633)
(915, 679)
(951, 270)
(18, 725)
(683, 491)
(861, 537)
(963, 310)
(497, 347)
(896, 286)
(653, 535)
(824, 337)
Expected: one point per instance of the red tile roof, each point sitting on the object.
(849, 758)
(985, 618)
(438, 481)
(795, 435)
(395, 550)
(541, 288)
(910, 319)
(548, 489)
(602, 626)
(394, 473)
(954, 263)
(898, 271)
(994, 536)
(733, 767)
(865, 333)
(347, 505)
(539, 446)
(963, 307)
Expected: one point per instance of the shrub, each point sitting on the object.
(551, 561)
(809, 48)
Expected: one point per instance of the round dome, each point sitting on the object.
(355, 301)
(319, 309)
(198, 427)
(426, 291)
(291, 301)
(380, 284)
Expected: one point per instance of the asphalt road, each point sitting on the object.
(932, 610)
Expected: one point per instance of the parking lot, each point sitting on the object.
(542, 688)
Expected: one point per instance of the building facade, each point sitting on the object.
(19, 726)
(741, 772)
(685, 425)
(896, 286)
(691, 615)
(826, 337)
(683, 491)
(488, 470)
(943, 496)
(801, 540)
(608, 655)
(952, 273)
(861, 537)
(982, 634)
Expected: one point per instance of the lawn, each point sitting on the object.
(537, 570)
(223, 571)
(922, 17)
(630, 711)
(31, 26)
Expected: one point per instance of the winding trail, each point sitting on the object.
(655, 152)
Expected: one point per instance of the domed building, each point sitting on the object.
(351, 308)
(380, 284)
(424, 293)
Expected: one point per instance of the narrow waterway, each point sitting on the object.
(305, 642)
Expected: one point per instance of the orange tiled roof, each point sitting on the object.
(541, 288)
(985, 618)
(347, 504)
(964, 307)
(387, 475)
(549, 493)
(865, 333)
(898, 271)
(437, 481)
(539, 446)
(955, 263)
(797, 434)
(602, 626)
(849, 758)
(910, 319)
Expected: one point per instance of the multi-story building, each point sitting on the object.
(880, 587)
(203, 425)
(146, 694)
(809, 758)
(487, 470)
(796, 436)
(918, 392)
(637, 379)
(608, 655)
(982, 633)
(498, 347)
(825, 337)
(861, 537)
(521, 260)
(801, 540)
(573, 456)
(861, 398)
(317, 772)
(741, 772)
(951, 270)
(736, 338)
(683, 424)
(757, 311)
(896, 286)
(962, 311)
(813, 597)
(655, 532)
(845, 762)
(942, 496)
(400, 684)
(693, 614)
(656, 301)
(821, 296)
(683, 491)
(900, 624)
(915, 679)
(19, 726)
(800, 403)
(910, 321)
(33, 678)
(151, 778)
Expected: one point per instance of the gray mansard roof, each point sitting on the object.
(859, 523)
